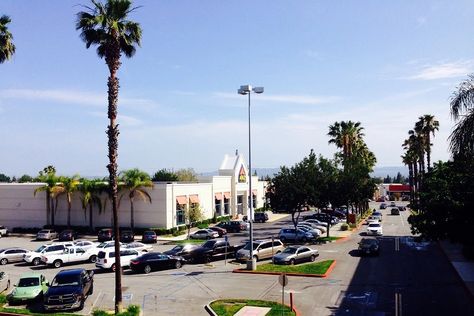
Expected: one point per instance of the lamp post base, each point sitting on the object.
(252, 264)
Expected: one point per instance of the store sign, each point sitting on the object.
(242, 175)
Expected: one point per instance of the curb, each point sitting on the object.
(212, 313)
(324, 275)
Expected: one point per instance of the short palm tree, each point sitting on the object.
(135, 181)
(462, 111)
(67, 186)
(91, 196)
(106, 25)
(7, 48)
(48, 176)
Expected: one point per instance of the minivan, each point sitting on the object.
(106, 258)
(262, 249)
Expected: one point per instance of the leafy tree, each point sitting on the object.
(67, 186)
(25, 178)
(4, 178)
(186, 175)
(106, 25)
(193, 214)
(7, 48)
(462, 111)
(164, 175)
(135, 181)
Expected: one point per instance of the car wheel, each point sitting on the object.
(93, 258)
(256, 258)
(36, 261)
(292, 262)
(57, 263)
(178, 264)
(312, 258)
(147, 269)
(113, 268)
(81, 306)
(208, 259)
(8, 285)
(4, 261)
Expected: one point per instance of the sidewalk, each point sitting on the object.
(463, 267)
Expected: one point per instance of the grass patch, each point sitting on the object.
(187, 241)
(229, 307)
(310, 268)
(24, 311)
(326, 239)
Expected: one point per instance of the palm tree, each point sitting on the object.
(48, 176)
(91, 192)
(345, 135)
(106, 26)
(67, 186)
(462, 111)
(428, 126)
(7, 48)
(135, 181)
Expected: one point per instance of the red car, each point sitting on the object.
(219, 230)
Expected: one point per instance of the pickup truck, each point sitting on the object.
(69, 290)
(69, 255)
(212, 249)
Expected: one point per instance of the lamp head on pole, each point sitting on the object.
(246, 89)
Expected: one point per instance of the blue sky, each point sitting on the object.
(383, 63)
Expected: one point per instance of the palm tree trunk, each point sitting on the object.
(68, 213)
(48, 207)
(132, 211)
(90, 217)
(428, 151)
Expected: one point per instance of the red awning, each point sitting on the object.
(227, 195)
(181, 200)
(218, 196)
(194, 198)
(399, 188)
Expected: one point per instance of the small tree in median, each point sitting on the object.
(192, 214)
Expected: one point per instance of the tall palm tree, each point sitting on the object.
(462, 111)
(428, 126)
(91, 192)
(67, 186)
(48, 176)
(135, 181)
(106, 25)
(7, 48)
(346, 135)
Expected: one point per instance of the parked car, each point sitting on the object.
(233, 226)
(212, 249)
(34, 257)
(149, 236)
(294, 235)
(14, 254)
(315, 232)
(383, 206)
(374, 229)
(262, 249)
(138, 246)
(69, 255)
(106, 258)
(67, 235)
(369, 246)
(107, 244)
(31, 286)
(85, 244)
(395, 211)
(323, 217)
(69, 290)
(319, 229)
(155, 261)
(204, 234)
(260, 217)
(295, 254)
(321, 225)
(3, 231)
(105, 234)
(46, 234)
(127, 235)
(185, 251)
(4, 281)
(219, 230)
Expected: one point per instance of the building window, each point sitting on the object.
(180, 220)
(240, 207)
(226, 206)
(254, 201)
(218, 207)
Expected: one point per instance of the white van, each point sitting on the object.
(34, 257)
(106, 258)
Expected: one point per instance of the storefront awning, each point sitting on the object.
(194, 198)
(181, 200)
(227, 195)
(218, 196)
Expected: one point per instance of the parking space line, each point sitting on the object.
(397, 244)
(398, 304)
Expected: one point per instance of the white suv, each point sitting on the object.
(34, 257)
(106, 258)
(374, 228)
(3, 231)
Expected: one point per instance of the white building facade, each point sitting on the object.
(225, 194)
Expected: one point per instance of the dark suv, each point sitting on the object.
(67, 235)
(105, 234)
(127, 235)
(260, 217)
(233, 226)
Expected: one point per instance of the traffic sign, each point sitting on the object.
(283, 279)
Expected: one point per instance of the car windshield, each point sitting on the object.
(105, 244)
(66, 279)
(247, 246)
(374, 225)
(368, 241)
(25, 282)
(149, 234)
(40, 249)
(43, 232)
(2, 250)
(289, 250)
(209, 244)
(177, 248)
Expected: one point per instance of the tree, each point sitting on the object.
(428, 125)
(345, 135)
(48, 176)
(106, 25)
(462, 111)
(4, 178)
(25, 178)
(164, 175)
(135, 181)
(186, 175)
(192, 214)
(91, 192)
(7, 48)
(67, 186)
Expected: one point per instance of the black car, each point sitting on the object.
(149, 236)
(260, 217)
(67, 235)
(369, 246)
(185, 251)
(233, 226)
(212, 249)
(127, 236)
(395, 211)
(322, 217)
(105, 234)
(69, 290)
(155, 261)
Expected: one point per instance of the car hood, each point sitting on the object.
(27, 291)
(61, 290)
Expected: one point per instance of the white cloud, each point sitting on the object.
(123, 120)
(284, 98)
(443, 71)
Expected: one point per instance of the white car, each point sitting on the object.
(374, 229)
(138, 246)
(34, 257)
(313, 226)
(106, 258)
(3, 231)
(69, 255)
(372, 219)
(313, 221)
(316, 233)
(85, 244)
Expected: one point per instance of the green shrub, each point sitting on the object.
(223, 218)
(344, 226)
(202, 226)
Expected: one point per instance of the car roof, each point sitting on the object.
(70, 271)
(30, 275)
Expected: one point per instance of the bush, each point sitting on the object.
(344, 226)
(202, 226)
(223, 219)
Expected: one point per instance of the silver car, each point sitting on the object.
(296, 254)
(204, 234)
(316, 233)
(46, 234)
(13, 254)
(262, 249)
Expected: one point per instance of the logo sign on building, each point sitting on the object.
(242, 175)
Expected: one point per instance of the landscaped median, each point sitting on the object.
(229, 307)
(320, 269)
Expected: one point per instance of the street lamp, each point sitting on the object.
(247, 90)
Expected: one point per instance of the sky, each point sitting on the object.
(382, 63)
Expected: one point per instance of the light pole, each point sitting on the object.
(247, 90)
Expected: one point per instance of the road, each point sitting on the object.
(416, 278)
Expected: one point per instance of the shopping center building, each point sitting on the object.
(226, 193)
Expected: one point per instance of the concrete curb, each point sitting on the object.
(212, 313)
(325, 275)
